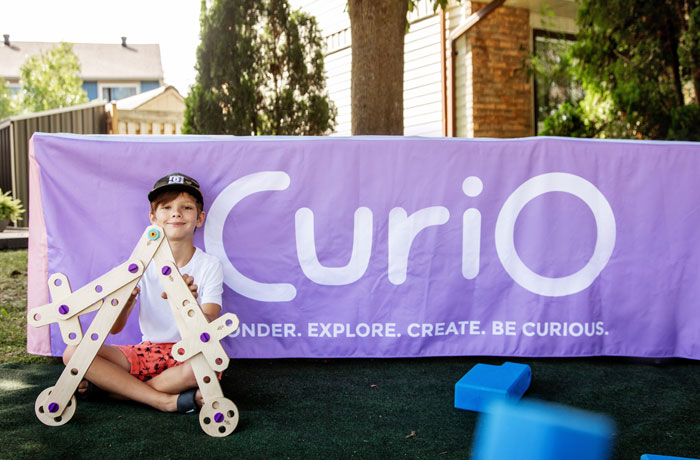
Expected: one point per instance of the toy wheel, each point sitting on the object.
(218, 417)
(57, 417)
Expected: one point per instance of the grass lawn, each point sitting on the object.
(13, 309)
(336, 409)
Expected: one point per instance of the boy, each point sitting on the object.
(147, 372)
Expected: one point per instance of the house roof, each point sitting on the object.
(140, 100)
(99, 61)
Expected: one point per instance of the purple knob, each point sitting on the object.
(133, 268)
(166, 270)
(218, 417)
(63, 309)
(53, 407)
(204, 337)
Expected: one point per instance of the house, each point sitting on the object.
(464, 72)
(130, 76)
(109, 71)
(158, 111)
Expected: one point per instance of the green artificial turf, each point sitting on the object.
(355, 408)
(334, 409)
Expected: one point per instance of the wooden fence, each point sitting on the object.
(15, 133)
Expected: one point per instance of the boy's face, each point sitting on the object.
(179, 217)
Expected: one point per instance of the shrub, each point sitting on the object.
(10, 208)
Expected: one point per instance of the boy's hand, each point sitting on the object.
(132, 298)
(120, 322)
(190, 284)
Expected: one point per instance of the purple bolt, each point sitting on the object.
(166, 270)
(218, 417)
(133, 268)
(53, 407)
(204, 337)
(63, 309)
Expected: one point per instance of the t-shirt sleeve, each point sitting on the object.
(211, 287)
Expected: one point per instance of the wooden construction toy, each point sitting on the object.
(108, 295)
(485, 383)
(533, 430)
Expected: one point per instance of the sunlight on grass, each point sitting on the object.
(12, 385)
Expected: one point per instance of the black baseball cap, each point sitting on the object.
(176, 181)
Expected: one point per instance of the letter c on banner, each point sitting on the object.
(214, 235)
(605, 241)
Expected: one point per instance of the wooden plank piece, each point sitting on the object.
(59, 289)
(82, 299)
(86, 351)
(192, 323)
(208, 340)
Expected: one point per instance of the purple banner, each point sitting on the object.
(394, 247)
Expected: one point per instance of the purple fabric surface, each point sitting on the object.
(525, 247)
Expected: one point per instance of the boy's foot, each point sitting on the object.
(187, 401)
(88, 391)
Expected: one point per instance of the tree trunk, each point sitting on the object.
(689, 7)
(672, 44)
(378, 28)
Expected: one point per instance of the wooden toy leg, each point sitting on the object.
(108, 293)
(56, 405)
(45, 415)
(219, 415)
(200, 345)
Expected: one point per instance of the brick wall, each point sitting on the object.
(501, 100)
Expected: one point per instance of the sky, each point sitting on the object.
(173, 24)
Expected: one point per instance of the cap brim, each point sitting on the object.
(153, 194)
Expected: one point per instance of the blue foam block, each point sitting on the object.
(485, 383)
(663, 457)
(533, 430)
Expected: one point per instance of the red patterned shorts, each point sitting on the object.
(149, 359)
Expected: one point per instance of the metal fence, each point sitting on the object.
(15, 133)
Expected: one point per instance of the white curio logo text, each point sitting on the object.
(403, 228)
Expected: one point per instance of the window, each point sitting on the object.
(116, 91)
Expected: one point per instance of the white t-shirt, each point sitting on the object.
(155, 315)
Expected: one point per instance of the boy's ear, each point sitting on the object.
(152, 217)
(200, 219)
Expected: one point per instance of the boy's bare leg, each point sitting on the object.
(176, 380)
(110, 371)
